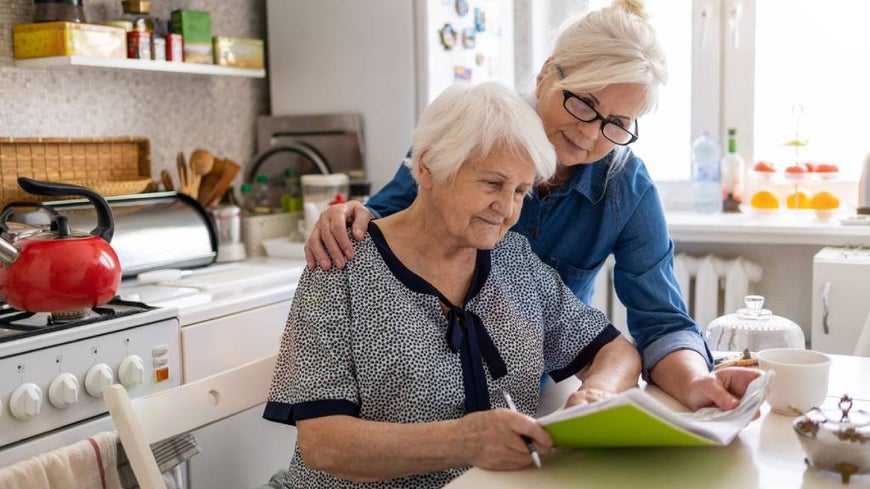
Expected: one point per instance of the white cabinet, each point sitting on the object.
(841, 298)
(243, 450)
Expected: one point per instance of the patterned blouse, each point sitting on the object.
(371, 341)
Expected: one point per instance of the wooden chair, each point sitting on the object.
(148, 419)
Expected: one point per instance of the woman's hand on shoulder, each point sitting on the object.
(328, 243)
(496, 439)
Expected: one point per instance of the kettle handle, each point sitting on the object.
(105, 221)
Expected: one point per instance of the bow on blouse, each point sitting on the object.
(466, 334)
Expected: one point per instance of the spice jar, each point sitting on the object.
(139, 13)
(58, 10)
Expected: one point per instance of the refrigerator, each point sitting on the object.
(384, 59)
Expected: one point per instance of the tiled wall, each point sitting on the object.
(177, 112)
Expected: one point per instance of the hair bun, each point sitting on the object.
(635, 7)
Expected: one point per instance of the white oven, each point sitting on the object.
(52, 373)
(231, 314)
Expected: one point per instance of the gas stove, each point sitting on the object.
(53, 369)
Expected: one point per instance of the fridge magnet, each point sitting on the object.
(479, 59)
(479, 19)
(469, 37)
(448, 36)
(461, 73)
(461, 7)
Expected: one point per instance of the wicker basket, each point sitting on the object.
(109, 166)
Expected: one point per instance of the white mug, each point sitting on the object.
(801, 380)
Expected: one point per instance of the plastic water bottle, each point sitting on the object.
(706, 181)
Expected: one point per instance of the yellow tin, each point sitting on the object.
(238, 52)
(67, 39)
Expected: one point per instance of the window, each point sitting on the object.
(812, 55)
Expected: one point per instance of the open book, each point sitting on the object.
(634, 418)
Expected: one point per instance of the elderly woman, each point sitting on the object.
(392, 368)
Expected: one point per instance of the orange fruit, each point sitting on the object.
(824, 200)
(764, 199)
(798, 200)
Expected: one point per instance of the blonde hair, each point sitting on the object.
(611, 45)
(469, 121)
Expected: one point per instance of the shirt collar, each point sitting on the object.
(590, 180)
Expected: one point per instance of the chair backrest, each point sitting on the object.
(148, 419)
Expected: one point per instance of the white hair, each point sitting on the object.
(469, 121)
(611, 45)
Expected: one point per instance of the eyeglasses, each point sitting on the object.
(582, 109)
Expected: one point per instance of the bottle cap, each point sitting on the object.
(262, 178)
(290, 173)
(246, 187)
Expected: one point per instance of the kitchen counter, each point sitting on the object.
(777, 228)
(766, 454)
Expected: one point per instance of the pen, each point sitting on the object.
(531, 446)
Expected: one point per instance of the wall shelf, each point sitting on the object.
(138, 64)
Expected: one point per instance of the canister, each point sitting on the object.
(318, 191)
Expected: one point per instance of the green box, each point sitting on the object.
(193, 25)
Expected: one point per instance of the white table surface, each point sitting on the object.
(766, 454)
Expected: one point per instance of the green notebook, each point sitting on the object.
(635, 418)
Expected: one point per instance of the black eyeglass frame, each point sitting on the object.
(604, 121)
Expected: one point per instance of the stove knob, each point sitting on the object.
(63, 391)
(26, 401)
(132, 371)
(98, 378)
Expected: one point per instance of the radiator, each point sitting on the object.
(711, 286)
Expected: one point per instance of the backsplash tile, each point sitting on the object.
(177, 112)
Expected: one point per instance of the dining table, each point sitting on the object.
(765, 454)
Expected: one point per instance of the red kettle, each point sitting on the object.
(59, 269)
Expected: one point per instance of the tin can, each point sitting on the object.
(174, 47)
(158, 48)
(139, 45)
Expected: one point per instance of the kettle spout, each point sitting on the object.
(8, 253)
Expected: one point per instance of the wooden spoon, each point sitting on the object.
(201, 163)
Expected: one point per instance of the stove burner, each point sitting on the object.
(16, 324)
(67, 316)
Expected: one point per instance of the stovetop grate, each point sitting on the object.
(15, 324)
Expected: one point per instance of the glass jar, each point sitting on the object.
(754, 328)
(58, 10)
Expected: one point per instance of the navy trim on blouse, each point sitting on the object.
(586, 356)
(466, 334)
(281, 412)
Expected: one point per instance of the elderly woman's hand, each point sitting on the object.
(496, 442)
(328, 242)
(588, 396)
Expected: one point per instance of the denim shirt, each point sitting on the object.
(578, 224)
